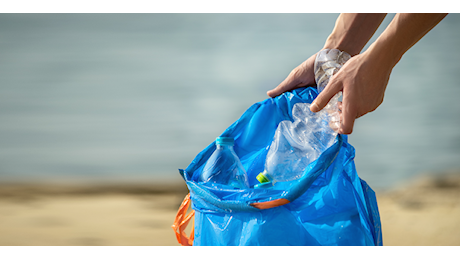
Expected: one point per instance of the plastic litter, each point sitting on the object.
(224, 166)
(328, 205)
(297, 144)
(327, 63)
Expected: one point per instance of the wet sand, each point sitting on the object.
(426, 212)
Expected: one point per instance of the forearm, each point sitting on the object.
(353, 31)
(402, 33)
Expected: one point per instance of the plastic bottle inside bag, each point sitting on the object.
(224, 166)
(299, 143)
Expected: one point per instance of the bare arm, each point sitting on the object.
(403, 32)
(363, 79)
(353, 31)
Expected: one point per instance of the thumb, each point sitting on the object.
(332, 88)
(289, 83)
(301, 76)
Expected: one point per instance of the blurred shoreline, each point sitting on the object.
(33, 190)
(424, 212)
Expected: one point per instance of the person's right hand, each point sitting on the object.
(362, 80)
(303, 75)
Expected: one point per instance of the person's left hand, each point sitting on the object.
(303, 75)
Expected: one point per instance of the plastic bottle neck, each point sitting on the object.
(223, 146)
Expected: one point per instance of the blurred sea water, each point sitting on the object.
(129, 97)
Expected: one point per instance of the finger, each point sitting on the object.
(335, 121)
(332, 88)
(335, 124)
(349, 114)
(288, 84)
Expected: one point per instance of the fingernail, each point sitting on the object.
(314, 107)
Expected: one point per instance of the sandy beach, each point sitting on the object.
(425, 212)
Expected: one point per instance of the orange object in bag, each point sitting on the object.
(181, 223)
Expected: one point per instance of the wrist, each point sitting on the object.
(336, 41)
(352, 31)
(381, 54)
(385, 51)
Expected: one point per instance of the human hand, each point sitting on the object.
(303, 75)
(362, 80)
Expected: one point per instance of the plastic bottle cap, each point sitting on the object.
(224, 140)
(262, 178)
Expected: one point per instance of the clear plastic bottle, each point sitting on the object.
(297, 144)
(327, 63)
(224, 166)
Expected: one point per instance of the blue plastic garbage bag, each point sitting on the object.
(329, 205)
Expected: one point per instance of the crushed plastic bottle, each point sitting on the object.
(299, 143)
(224, 166)
(328, 62)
